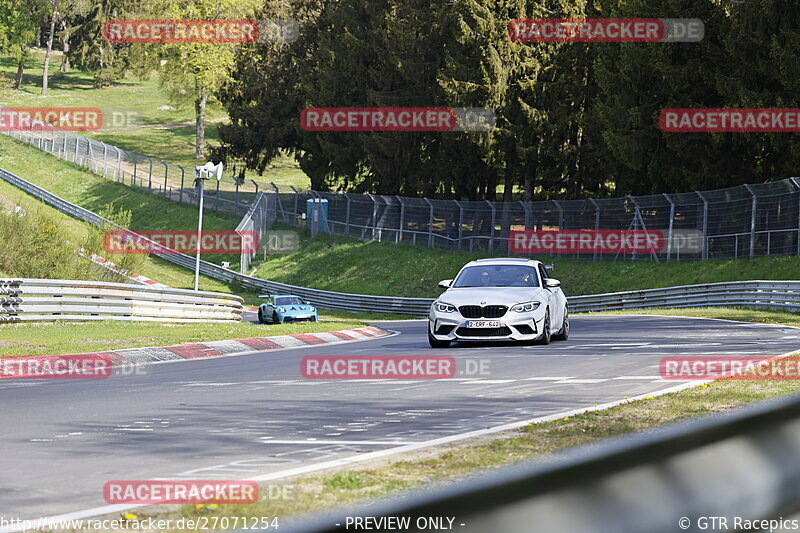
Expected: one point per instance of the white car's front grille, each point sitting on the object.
(487, 311)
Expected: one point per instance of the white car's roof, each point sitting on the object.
(503, 261)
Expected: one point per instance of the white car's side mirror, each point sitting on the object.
(552, 283)
(445, 283)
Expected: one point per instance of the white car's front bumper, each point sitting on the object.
(513, 326)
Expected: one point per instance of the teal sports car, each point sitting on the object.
(280, 308)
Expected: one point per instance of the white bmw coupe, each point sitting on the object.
(499, 300)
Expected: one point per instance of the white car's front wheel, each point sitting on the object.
(545, 337)
(563, 333)
(435, 343)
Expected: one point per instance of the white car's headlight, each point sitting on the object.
(444, 308)
(526, 307)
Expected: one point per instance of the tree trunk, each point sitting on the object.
(64, 47)
(46, 73)
(510, 172)
(200, 123)
(491, 186)
(508, 190)
(20, 69)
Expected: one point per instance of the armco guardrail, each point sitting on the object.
(325, 299)
(37, 300)
(757, 294)
(673, 479)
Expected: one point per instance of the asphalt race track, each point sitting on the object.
(249, 415)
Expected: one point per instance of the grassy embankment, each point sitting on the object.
(166, 134)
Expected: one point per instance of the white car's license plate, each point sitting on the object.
(483, 324)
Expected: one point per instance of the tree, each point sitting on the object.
(54, 15)
(197, 71)
(89, 50)
(18, 32)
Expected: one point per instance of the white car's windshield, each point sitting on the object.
(497, 276)
(291, 300)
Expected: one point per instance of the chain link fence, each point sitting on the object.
(158, 177)
(739, 222)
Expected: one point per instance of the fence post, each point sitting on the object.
(346, 215)
(374, 215)
(280, 204)
(180, 195)
(399, 235)
(64, 150)
(671, 219)
(135, 165)
(77, 144)
(560, 221)
(430, 223)
(256, 186)
(796, 182)
(460, 223)
(752, 221)
(310, 224)
(491, 232)
(236, 198)
(105, 154)
(596, 227)
(150, 175)
(296, 195)
(166, 173)
(704, 254)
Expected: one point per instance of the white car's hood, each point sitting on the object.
(490, 295)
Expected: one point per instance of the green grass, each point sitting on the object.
(70, 182)
(313, 493)
(150, 212)
(168, 135)
(347, 265)
(67, 337)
